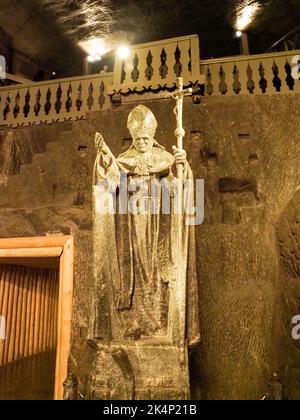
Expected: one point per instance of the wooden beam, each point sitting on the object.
(64, 317)
(31, 252)
(34, 242)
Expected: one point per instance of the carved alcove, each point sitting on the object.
(288, 236)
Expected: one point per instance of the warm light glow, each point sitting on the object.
(246, 15)
(95, 47)
(123, 52)
(238, 34)
(91, 59)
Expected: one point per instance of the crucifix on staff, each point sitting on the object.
(179, 324)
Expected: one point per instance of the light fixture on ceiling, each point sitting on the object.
(245, 15)
(123, 52)
(95, 47)
(90, 59)
(93, 58)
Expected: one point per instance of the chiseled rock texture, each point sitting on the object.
(248, 150)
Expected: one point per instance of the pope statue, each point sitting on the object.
(135, 248)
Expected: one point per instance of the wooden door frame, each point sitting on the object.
(52, 246)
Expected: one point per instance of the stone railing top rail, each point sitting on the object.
(15, 78)
(239, 58)
(164, 42)
(81, 79)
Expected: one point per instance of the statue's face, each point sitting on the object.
(143, 144)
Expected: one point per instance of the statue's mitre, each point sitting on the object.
(142, 122)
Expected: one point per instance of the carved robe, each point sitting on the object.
(136, 255)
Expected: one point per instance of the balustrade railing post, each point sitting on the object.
(195, 57)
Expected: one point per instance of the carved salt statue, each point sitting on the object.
(144, 321)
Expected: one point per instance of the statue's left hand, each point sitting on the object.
(180, 156)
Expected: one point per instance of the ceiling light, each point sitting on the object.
(246, 14)
(123, 52)
(91, 59)
(95, 46)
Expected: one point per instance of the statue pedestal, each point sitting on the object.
(149, 369)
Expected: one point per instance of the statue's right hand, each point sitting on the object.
(99, 141)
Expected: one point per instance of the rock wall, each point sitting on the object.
(288, 237)
(247, 149)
